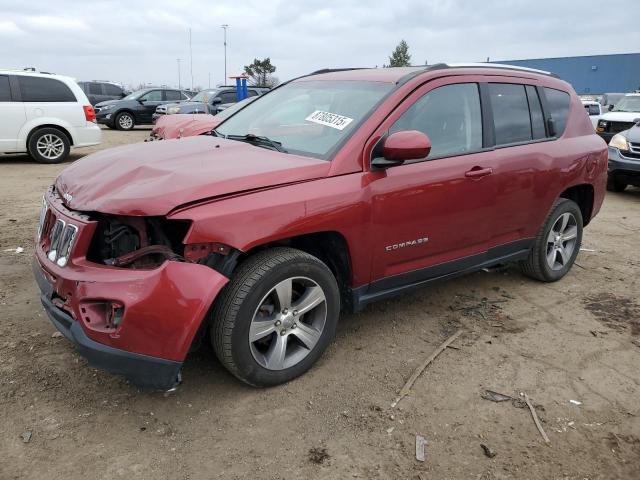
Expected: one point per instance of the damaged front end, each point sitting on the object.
(124, 289)
(137, 242)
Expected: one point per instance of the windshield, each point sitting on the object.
(628, 104)
(308, 117)
(204, 95)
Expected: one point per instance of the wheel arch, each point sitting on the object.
(331, 247)
(583, 195)
(48, 125)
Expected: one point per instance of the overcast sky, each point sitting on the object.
(139, 41)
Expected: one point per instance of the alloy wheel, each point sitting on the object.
(288, 323)
(561, 241)
(125, 121)
(50, 146)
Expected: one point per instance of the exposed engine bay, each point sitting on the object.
(137, 242)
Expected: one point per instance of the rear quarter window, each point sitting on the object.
(5, 90)
(37, 89)
(558, 104)
(112, 89)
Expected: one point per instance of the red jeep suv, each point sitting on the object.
(331, 191)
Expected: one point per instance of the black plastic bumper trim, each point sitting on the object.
(143, 371)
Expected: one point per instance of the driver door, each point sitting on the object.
(432, 216)
(148, 103)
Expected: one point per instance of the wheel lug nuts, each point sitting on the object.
(285, 311)
(283, 332)
(278, 323)
(294, 325)
(295, 312)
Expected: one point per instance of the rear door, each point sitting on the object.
(12, 115)
(148, 103)
(433, 216)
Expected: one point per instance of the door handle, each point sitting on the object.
(478, 172)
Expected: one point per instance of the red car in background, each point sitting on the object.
(331, 191)
(181, 125)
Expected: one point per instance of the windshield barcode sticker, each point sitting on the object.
(332, 120)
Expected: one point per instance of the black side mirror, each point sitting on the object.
(610, 107)
(216, 101)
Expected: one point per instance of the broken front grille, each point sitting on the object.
(55, 235)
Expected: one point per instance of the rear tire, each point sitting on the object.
(49, 145)
(125, 121)
(261, 337)
(615, 185)
(557, 244)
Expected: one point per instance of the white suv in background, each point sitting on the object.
(44, 115)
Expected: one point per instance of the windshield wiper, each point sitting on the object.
(256, 140)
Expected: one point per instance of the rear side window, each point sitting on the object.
(112, 89)
(451, 118)
(172, 95)
(535, 111)
(510, 107)
(38, 89)
(5, 90)
(227, 97)
(558, 103)
(252, 93)
(95, 89)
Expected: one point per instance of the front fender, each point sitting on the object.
(338, 204)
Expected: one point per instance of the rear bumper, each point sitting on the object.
(87, 136)
(141, 370)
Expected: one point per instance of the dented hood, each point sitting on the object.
(156, 177)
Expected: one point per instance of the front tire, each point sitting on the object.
(124, 121)
(615, 185)
(275, 317)
(557, 243)
(49, 145)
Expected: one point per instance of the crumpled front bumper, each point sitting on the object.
(159, 324)
(161, 309)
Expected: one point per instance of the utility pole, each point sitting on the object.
(179, 82)
(209, 79)
(224, 27)
(191, 59)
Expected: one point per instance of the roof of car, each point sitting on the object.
(397, 74)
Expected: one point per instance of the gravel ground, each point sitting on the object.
(568, 345)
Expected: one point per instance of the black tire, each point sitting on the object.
(537, 266)
(60, 145)
(124, 121)
(615, 185)
(234, 310)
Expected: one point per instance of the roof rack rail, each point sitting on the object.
(506, 66)
(442, 66)
(332, 70)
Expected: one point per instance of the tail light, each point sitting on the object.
(89, 113)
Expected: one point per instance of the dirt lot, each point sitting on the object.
(568, 341)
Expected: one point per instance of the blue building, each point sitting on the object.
(592, 74)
